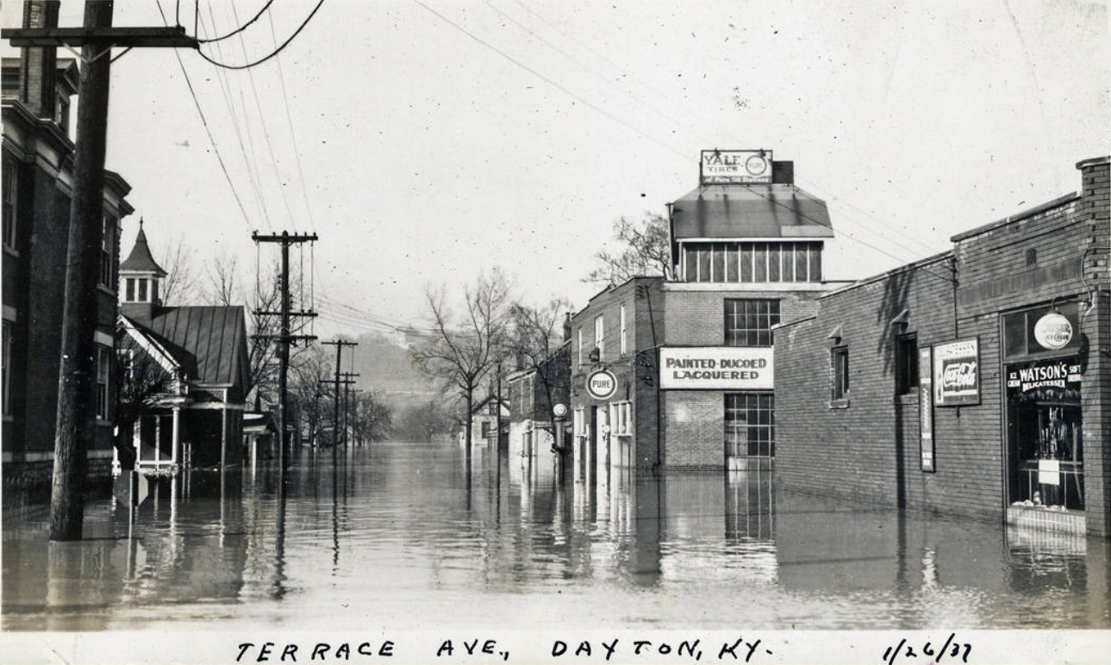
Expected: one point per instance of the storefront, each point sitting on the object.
(1045, 443)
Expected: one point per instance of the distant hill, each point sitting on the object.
(383, 366)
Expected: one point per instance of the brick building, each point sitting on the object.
(694, 367)
(533, 393)
(976, 382)
(37, 175)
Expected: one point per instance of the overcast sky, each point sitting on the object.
(440, 138)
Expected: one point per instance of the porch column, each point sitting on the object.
(176, 435)
(223, 439)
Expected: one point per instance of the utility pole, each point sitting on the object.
(75, 415)
(285, 337)
(339, 344)
(347, 405)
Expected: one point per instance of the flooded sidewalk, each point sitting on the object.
(396, 536)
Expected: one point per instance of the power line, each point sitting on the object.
(208, 131)
(273, 53)
(240, 28)
(292, 134)
(549, 81)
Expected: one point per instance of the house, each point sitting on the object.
(533, 394)
(484, 422)
(38, 177)
(195, 414)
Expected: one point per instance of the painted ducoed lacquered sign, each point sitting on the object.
(716, 368)
(957, 372)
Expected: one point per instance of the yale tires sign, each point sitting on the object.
(601, 384)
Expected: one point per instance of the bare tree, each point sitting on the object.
(180, 284)
(535, 341)
(462, 350)
(311, 396)
(371, 419)
(645, 249)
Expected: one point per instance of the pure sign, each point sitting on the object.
(957, 372)
(1053, 331)
(601, 384)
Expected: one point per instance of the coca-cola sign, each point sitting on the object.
(957, 372)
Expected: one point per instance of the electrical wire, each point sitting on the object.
(208, 131)
(240, 28)
(273, 53)
(292, 134)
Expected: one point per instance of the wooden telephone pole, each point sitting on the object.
(75, 416)
(285, 338)
(338, 381)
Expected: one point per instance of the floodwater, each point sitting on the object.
(395, 537)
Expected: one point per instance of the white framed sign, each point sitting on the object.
(957, 372)
(735, 167)
(717, 368)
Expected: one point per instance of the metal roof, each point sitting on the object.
(210, 343)
(750, 211)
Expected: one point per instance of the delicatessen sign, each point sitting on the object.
(957, 372)
(1057, 374)
(716, 368)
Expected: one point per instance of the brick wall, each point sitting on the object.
(867, 447)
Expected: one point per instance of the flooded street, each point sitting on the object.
(395, 537)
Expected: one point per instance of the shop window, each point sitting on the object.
(624, 334)
(839, 358)
(6, 368)
(600, 337)
(11, 186)
(906, 364)
(750, 425)
(103, 363)
(749, 322)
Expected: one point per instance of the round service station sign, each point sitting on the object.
(601, 384)
(1053, 331)
(559, 410)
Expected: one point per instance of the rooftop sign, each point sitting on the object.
(735, 167)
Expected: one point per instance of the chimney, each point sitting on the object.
(567, 327)
(38, 65)
(783, 173)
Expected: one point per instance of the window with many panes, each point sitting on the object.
(839, 357)
(750, 425)
(906, 364)
(11, 185)
(103, 363)
(748, 322)
(751, 261)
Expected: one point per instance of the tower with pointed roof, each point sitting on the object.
(141, 279)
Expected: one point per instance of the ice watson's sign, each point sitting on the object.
(1045, 374)
(716, 368)
(727, 167)
(957, 372)
(601, 384)
(1053, 331)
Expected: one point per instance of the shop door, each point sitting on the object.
(1045, 442)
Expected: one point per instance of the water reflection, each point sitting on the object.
(402, 535)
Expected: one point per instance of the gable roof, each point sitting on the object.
(209, 342)
(140, 259)
(750, 211)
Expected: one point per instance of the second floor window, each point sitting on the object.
(624, 333)
(600, 337)
(107, 256)
(748, 322)
(103, 363)
(10, 186)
